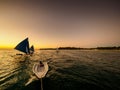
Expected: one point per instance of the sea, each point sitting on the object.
(68, 70)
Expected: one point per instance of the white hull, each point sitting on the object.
(40, 72)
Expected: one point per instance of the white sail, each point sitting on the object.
(32, 49)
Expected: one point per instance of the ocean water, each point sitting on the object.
(68, 70)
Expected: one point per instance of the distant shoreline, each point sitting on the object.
(77, 48)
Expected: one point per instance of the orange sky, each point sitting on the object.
(51, 24)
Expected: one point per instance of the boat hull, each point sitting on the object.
(40, 72)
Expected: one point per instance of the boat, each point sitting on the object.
(57, 50)
(40, 71)
(23, 46)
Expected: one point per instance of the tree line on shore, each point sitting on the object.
(78, 48)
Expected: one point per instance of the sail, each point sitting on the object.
(23, 46)
(32, 49)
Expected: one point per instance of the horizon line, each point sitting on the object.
(61, 47)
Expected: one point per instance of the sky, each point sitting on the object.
(53, 23)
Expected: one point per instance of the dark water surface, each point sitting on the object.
(68, 70)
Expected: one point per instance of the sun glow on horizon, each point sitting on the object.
(12, 46)
(6, 47)
(55, 25)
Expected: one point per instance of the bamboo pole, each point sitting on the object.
(41, 84)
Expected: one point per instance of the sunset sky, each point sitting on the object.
(60, 23)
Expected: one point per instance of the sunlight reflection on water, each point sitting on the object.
(76, 69)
